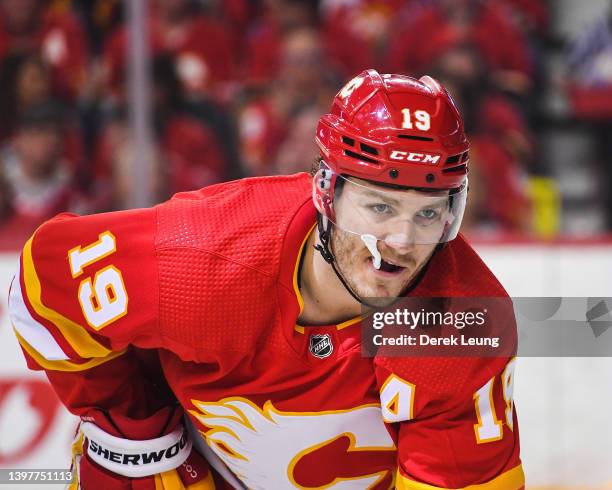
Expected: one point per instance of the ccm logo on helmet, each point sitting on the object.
(414, 157)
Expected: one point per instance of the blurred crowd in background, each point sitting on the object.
(237, 87)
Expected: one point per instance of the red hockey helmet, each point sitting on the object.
(396, 131)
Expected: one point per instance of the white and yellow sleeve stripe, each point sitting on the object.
(513, 479)
(36, 339)
(29, 329)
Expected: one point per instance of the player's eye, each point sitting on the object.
(381, 208)
(428, 215)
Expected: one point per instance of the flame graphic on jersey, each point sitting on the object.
(265, 446)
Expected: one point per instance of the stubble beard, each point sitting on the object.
(351, 260)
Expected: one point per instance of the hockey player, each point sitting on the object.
(213, 341)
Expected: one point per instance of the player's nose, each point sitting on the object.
(402, 241)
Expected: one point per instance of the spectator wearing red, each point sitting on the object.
(264, 39)
(502, 147)
(186, 154)
(298, 147)
(25, 82)
(351, 35)
(300, 85)
(499, 203)
(37, 180)
(201, 46)
(98, 17)
(29, 26)
(114, 158)
(356, 32)
(423, 35)
(532, 16)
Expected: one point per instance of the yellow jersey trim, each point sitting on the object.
(296, 269)
(513, 479)
(76, 335)
(298, 295)
(350, 322)
(64, 365)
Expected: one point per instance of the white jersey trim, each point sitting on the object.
(32, 331)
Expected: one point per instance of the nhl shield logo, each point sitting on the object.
(321, 345)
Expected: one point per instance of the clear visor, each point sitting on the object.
(399, 217)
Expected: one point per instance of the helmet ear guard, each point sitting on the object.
(323, 185)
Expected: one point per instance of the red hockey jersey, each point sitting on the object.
(208, 280)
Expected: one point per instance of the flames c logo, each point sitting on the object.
(268, 448)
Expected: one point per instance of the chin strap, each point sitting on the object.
(324, 237)
(328, 256)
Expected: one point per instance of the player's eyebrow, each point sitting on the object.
(438, 203)
(441, 202)
(378, 195)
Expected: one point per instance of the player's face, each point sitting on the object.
(408, 225)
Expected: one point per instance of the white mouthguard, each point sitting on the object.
(370, 242)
